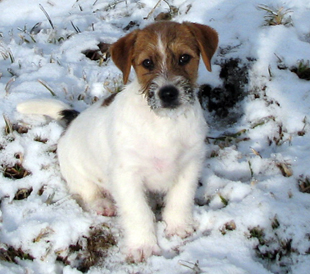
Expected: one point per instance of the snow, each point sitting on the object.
(243, 187)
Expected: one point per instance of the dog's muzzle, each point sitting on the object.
(169, 96)
(164, 95)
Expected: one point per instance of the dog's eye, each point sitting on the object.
(148, 64)
(184, 59)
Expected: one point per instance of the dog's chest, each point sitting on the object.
(159, 153)
(160, 166)
(153, 147)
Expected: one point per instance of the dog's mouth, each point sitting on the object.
(165, 96)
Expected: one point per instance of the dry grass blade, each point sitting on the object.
(50, 198)
(77, 30)
(152, 11)
(263, 121)
(47, 16)
(193, 266)
(9, 84)
(43, 234)
(47, 87)
(8, 125)
(256, 152)
(285, 169)
(251, 169)
(12, 59)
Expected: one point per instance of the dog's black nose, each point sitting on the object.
(169, 96)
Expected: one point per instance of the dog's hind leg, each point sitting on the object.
(91, 197)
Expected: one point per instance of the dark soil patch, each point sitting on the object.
(302, 74)
(221, 100)
(102, 52)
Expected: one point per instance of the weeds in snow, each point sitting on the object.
(8, 129)
(23, 38)
(229, 139)
(23, 193)
(302, 69)
(6, 53)
(89, 250)
(173, 11)
(276, 16)
(17, 171)
(304, 184)
(10, 253)
(192, 266)
(229, 226)
(272, 248)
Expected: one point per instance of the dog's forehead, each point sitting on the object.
(166, 34)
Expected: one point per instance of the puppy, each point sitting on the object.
(147, 138)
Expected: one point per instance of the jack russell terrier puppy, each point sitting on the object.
(147, 138)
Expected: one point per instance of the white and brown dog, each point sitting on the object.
(147, 138)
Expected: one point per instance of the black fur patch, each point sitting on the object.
(106, 102)
(68, 115)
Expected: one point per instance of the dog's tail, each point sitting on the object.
(50, 107)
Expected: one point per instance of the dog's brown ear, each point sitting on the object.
(207, 39)
(122, 51)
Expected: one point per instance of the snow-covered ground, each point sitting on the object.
(253, 203)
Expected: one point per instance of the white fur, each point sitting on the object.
(125, 149)
(162, 51)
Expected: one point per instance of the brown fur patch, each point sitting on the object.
(107, 101)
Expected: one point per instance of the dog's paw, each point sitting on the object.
(108, 212)
(183, 231)
(141, 253)
(104, 207)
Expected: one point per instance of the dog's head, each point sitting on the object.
(165, 56)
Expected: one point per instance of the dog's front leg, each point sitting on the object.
(136, 217)
(179, 202)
